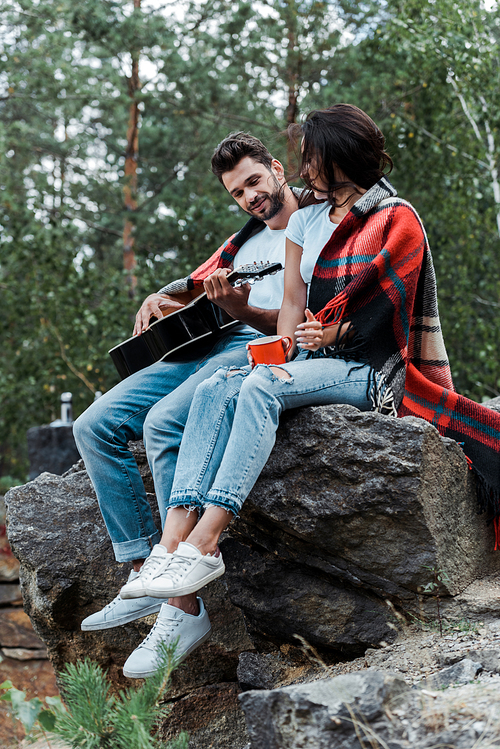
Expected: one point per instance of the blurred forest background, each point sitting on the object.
(109, 113)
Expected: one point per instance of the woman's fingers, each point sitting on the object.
(309, 334)
(309, 324)
(314, 327)
(309, 342)
(309, 316)
(309, 337)
(302, 337)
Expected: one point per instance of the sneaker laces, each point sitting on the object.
(179, 564)
(150, 567)
(112, 603)
(161, 629)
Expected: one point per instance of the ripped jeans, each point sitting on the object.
(234, 415)
(153, 403)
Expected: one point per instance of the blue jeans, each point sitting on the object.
(152, 403)
(231, 428)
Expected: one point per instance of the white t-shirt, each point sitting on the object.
(311, 229)
(268, 244)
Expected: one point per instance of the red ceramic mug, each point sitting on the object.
(269, 350)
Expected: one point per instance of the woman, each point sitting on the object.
(360, 306)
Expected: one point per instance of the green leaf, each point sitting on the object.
(26, 711)
(47, 720)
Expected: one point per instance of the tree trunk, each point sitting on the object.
(131, 156)
(292, 109)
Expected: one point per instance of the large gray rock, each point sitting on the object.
(493, 403)
(68, 571)
(462, 672)
(373, 709)
(211, 716)
(489, 658)
(353, 509)
(321, 715)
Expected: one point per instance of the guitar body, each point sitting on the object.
(185, 333)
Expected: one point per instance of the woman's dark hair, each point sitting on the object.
(236, 147)
(341, 137)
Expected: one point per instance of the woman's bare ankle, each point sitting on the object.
(137, 564)
(173, 542)
(188, 604)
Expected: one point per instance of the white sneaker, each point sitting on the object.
(172, 624)
(120, 612)
(187, 572)
(157, 561)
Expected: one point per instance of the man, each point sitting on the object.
(135, 408)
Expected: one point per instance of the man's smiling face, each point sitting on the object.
(256, 189)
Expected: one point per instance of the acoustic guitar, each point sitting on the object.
(187, 332)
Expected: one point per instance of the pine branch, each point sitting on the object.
(95, 719)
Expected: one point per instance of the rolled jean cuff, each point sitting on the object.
(229, 501)
(139, 548)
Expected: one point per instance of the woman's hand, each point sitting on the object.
(309, 334)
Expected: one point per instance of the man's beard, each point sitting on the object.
(276, 203)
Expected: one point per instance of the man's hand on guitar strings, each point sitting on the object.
(153, 306)
(232, 299)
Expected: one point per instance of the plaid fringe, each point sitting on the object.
(496, 525)
(334, 311)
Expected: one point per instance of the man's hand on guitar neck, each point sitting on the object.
(153, 306)
(234, 300)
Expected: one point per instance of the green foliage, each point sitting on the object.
(433, 587)
(92, 717)
(6, 482)
(438, 576)
(181, 742)
(96, 718)
(31, 713)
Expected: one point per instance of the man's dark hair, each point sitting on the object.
(236, 147)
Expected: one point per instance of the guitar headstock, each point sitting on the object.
(253, 272)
